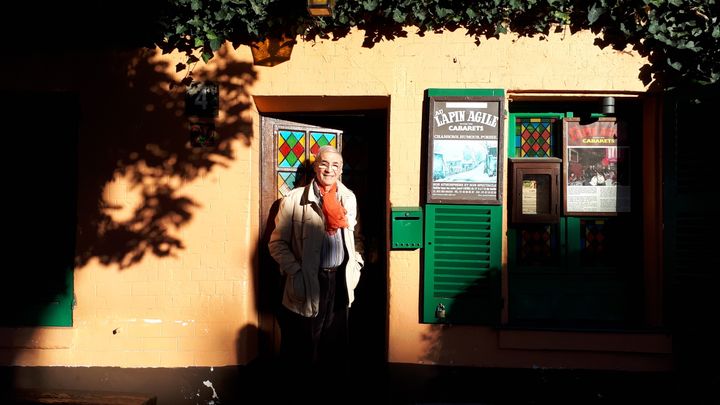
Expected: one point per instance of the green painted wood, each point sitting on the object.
(512, 127)
(464, 92)
(570, 292)
(462, 262)
(691, 266)
(41, 208)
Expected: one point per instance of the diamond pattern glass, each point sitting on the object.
(537, 245)
(534, 137)
(320, 139)
(286, 182)
(291, 148)
(598, 242)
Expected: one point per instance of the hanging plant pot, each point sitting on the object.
(320, 8)
(272, 51)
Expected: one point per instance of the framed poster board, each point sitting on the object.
(596, 167)
(465, 150)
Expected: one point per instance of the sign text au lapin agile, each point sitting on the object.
(462, 120)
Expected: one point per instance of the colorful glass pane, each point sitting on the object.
(320, 139)
(534, 137)
(537, 245)
(286, 182)
(291, 148)
(596, 242)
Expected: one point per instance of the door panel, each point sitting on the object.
(288, 149)
(287, 157)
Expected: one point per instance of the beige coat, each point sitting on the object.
(296, 242)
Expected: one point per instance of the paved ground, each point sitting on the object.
(407, 384)
(380, 384)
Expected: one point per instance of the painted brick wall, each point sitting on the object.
(196, 307)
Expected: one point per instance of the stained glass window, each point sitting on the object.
(534, 137)
(596, 242)
(537, 245)
(291, 148)
(320, 139)
(295, 148)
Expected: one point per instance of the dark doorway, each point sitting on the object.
(364, 149)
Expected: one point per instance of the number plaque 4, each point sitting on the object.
(201, 100)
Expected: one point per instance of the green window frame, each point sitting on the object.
(41, 221)
(555, 276)
(462, 264)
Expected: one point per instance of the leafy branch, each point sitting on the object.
(680, 38)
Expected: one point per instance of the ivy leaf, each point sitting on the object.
(594, 13)
(199, 42)
(370, 5)
(206, 56)
(561, 16)
(442, 12)
(675, 65)
(256, 8)
(653, 27)
(514, 4)
(216, 43)
(398, 15)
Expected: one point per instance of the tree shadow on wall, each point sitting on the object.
(134, 133)
(269, 282)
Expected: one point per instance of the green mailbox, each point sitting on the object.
(407, 227)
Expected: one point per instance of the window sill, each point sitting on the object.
(628, 341)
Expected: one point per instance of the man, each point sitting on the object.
(317, 247)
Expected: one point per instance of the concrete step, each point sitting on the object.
(73, 397)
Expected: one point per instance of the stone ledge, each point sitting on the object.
(72, 397)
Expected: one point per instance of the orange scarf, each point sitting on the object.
(333, 210)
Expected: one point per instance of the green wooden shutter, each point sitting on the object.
(691, 223)
(462, 255)
(462, 263)
(41, 134)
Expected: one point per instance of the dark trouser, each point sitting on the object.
(320, 341)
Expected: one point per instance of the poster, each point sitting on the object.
(536, 195)
(596, 173)
(465, 150)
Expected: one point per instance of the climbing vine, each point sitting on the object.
(680, 38)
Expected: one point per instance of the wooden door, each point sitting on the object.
(287, 152)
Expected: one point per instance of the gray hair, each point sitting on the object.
(327, 149)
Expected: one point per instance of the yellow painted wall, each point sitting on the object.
(197, 306)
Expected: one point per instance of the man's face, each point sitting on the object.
(328, 168)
